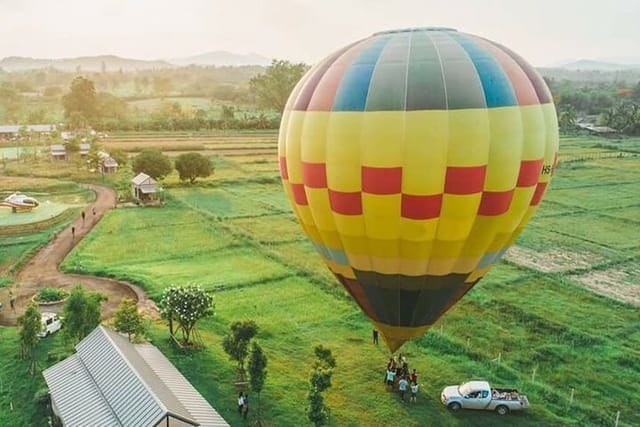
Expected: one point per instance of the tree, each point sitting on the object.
(567, 117)
(273, 88)
(153, 163)
(119, 156)
(320, 381)
(162, 85)
(94, 160)
(81, 313)
(185, 305)
(257, 372)
(128, 319)
(11, 100)
(81, 98)
(192, 165)
(30, 324)
(236, 342)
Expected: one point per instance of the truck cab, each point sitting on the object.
(480, 395)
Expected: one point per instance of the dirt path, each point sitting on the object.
(43, 269)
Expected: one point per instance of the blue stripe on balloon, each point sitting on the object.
(335, 255)
(497, 88)
(354, 87)
(490, 258)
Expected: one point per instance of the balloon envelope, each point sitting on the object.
(413, 159)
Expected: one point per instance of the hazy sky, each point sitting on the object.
(542, 31)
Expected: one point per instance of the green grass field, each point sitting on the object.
(237, 237)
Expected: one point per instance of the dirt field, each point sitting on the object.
(43, 269)
(551, 261)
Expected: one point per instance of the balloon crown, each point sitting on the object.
(414, 29)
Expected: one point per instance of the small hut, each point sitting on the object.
(108, 164)
(84, 149)
(145, 188)
(58, 152)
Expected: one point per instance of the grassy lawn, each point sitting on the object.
(540, 332)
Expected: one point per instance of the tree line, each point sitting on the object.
(612, 104)
(105, 101)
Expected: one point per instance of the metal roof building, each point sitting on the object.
(144, 187)
(15, 129)
(111, 382)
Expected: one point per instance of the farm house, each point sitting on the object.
(145, 188)
(108, 164)
(58, 152)
(111, 382)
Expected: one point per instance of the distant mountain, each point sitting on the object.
(597, 65)
(220, 58)
(85, 63)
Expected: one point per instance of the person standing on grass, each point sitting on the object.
(402, 387)
(82, 218)
(12, 301)
(391, 375)
(414, 392)
(245, 406)
(240, 402)
(414, 377)
(386, 371)
(375, 336)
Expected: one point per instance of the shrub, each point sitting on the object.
(51, 295)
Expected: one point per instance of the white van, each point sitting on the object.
(51, 323)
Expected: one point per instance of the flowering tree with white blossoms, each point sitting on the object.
(185, 305)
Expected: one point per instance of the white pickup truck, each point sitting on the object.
(480, 395)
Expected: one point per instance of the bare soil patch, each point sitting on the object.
(613, 283)
(551, 261)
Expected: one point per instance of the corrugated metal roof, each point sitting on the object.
(149, 189)
(29, 128)
(142, 178)
(109, 162)
(58, 148)
(137, 385)
(123, 389)
(182, 389)
(154, 384)
(76, 395)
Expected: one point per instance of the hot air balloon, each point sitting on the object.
(413, 159)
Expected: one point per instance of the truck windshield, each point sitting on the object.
(465, 389)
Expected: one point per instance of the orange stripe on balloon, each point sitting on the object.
(529, 172)
(464, 179)
(421, 207)
(495, 202)
(314, 175)
(537, 196)
(381, 180)
(299, 195)
(346, 203)
(284, 173)
(325, 92)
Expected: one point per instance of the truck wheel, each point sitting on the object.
(455, 406)
(502, 410)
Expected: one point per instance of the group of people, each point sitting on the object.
(397, 376)
(243, 404)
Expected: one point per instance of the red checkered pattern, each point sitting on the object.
(459, 180)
